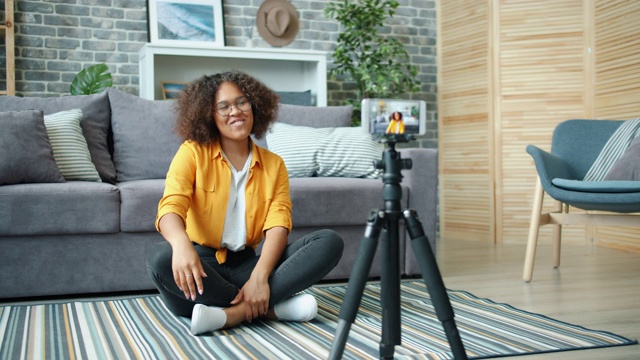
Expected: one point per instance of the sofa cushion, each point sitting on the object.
(95, 122)
(144, 141)
(340, 152)
(139, 199)
(612, 186)
(70, 148)
(74, 207)
(315, 116)
(26, 155)
(303, 98)
(336, 201)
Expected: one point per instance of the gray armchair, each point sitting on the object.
(575, 146)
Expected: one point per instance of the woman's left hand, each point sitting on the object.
(255, 295)
(256, 292)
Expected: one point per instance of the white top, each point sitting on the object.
(234, 233)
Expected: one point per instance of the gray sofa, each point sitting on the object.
(68, 237)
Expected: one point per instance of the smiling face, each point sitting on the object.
(237, 125)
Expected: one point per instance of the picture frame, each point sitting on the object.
(170, 90)
(186, 23)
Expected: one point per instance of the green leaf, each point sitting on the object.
(92, 80)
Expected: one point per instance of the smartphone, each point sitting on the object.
(394, 116)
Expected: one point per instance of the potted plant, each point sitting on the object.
(379, 65)
(92, 80)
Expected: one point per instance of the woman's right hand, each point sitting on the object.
(185, 262)
(187, 270)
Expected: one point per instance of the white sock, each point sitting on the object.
(302, 307)
(207, 318)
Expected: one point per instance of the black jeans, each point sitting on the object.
(303, 263)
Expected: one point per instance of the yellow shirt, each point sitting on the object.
(395, 127)
(197, 189)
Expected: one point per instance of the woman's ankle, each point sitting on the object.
(301, 307)
(235, 315)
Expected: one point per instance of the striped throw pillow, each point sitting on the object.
(69, 145)
(349, 152)
(297, 146)
(613, 150)
(326, 152)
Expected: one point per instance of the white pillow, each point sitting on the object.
(70, 148)
(336, 152)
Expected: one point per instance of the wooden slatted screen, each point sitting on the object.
(617, 59)
(617, 85)
(509, 72)
(541, 67)
(464, 128)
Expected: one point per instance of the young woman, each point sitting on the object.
(396, 124)
(223, 197)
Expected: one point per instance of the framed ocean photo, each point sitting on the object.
(188, 23)
(170, 90)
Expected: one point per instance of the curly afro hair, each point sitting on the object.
(194, 106)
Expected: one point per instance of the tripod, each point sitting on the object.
(390, 278)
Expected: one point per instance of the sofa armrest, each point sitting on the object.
(422, 181)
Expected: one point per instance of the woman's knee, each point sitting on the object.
(159, 257)
(332, 240)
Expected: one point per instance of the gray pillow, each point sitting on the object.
(95, 122)
(26, 155)
(302, 98)
(627, 167)
(315, 116)
(144, 141)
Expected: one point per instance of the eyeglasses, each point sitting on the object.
(224, 109)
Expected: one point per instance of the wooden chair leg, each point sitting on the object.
(557, 233)
(534, 228)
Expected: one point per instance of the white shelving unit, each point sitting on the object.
(280, 69)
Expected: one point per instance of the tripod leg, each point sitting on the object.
(357, 281)
(390, 289)
(435, 285)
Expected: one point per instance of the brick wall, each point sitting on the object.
(57, 38)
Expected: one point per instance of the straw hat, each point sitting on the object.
(277, 22)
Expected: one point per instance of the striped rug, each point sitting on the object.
(142, 328)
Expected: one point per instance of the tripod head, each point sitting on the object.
(393, 164)
(396, 138)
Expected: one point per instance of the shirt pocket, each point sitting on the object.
(258, 205)
(204, 199)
